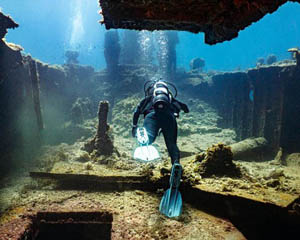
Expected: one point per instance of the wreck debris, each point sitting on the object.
(6, 22)
(219, 20)
(9, 52)
(14, 47)
(88, 166)
(295, 54)
(102, 142)
(36, 93)
(218, 162)
(293, 160)
(197, 64)
(81, 110)
(274, 90)
(271, 59)
(279, 160)
(260, 62)
(251, 149)
(87, 178)
(72, 57)
(76, 113)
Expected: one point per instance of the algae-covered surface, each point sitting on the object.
(135, 212)
(262, 182)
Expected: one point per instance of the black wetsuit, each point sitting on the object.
(161, 119)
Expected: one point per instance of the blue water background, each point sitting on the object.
(49, 27)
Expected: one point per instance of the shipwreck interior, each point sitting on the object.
(66, 166)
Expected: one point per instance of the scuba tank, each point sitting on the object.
(162, 96)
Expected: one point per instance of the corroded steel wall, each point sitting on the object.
(274, 112)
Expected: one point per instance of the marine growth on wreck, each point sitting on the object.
(76, 162)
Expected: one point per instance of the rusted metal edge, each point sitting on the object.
(28, 226)
(88, 178)
(78, 216)
(281, 201)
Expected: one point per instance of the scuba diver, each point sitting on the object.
(160, 109)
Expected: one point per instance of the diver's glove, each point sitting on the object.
(133, 131)
(185, 108)
(181, 106)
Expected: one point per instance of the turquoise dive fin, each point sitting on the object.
(171, 203)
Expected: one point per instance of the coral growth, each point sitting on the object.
(199, 157)
(72, 57)
(88, 166)
(122, 112)
(6, 22)
(293, 159)
(295, 54)
(197, 64)
(102, 142)
(271, 59)
(81, 109)
(260, 62)
(84, 157)
(218, 162)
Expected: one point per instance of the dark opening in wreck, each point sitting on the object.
(73, 225)
(62, 225)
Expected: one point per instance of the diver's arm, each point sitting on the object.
(136, 115)
(181, 106)
(139, 110)
(135, 120)
(184, 107)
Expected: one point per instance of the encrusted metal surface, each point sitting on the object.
(5, 23)
(220, 20)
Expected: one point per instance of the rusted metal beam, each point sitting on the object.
(36, 93)
(220, 20)
(87, 178)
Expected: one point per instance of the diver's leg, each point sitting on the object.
(169, 129)
(151, 125)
